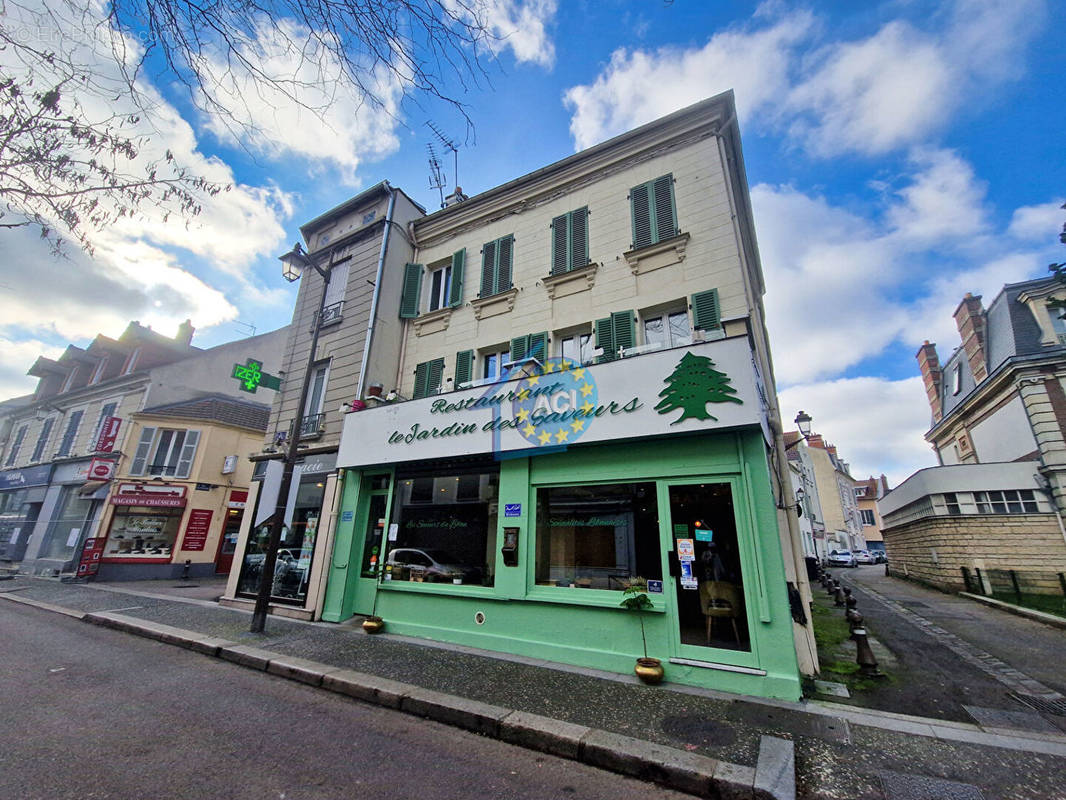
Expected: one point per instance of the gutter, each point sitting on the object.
(377, 287)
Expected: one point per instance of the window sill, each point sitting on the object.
(567, 283)
(456, 589)
(433, 322)
(496, 304)
(599, 598)
(658, 255)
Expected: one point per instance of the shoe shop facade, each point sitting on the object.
(510, 517)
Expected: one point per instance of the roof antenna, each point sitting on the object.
(449, 145)
(436, 180)
(245, 325)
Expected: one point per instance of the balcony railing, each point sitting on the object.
(331, 314)
(311, 427)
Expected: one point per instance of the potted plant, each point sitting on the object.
(635, 598)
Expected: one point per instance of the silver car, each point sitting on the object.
(842, 558)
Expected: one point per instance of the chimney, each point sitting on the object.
(816, 440)
(455, 197)
(970, 317)
(932, 377)
(185, 332)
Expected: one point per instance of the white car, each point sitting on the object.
(842, 558)
(864, 557)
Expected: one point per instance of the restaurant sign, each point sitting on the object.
(683, 390)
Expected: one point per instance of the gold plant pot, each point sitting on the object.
(649, 670)
(373, 624)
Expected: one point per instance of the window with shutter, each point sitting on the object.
(42, 439)
(188, 454)
(428, 376)
(570, 245)
(706, 312)
(412, 290)
(654, 214)
(458, 266)
(13, 453)
(421, 374)
(623, 330)
(140, 456)
(519, 348)
(67, 442)
(496, 263)
(538, 346)
(605, 339)
(464, 367)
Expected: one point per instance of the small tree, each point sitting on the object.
(1059, 271)
(693, 384)
(635, 598)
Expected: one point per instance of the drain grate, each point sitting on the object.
(1044, 705)
(901, 786)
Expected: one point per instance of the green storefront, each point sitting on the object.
(511, 516)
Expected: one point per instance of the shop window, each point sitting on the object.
(449, 538)
(70, 523)
(597, 536)
(292, 571)
(167, 452)
(143, 532)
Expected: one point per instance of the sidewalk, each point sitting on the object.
(700, 741)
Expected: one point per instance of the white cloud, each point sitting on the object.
(521, 26)
(943, 202)
(1039, 224)
(876, 424)
(638, 86)
(18, 357)
(870, 95)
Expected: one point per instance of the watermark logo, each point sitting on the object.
(556, 405)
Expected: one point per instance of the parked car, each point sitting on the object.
(434, 565)
(879, 555)
(864, 557)
(842, 558)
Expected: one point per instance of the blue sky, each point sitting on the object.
(899, 155)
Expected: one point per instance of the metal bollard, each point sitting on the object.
(185, 570)
(864, 655)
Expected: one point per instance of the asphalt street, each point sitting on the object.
(92, 713)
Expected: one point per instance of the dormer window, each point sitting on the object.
(131, 362)
(1058, 324)
(69, 382)
(956, 379)
(98, 373)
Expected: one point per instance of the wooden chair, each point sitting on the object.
(720, 599)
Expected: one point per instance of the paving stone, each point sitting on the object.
(902, 786)
(649, 761)
(775, 772)
(469, 714)
(247, 656)
(370, 688)
(543, 733)
(831, 688)
(298, 669)
(996, 718)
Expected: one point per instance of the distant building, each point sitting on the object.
(999, 431)
(65, 443)
(836, 495)
(867, 493)
(805, 489)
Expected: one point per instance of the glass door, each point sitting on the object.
(371, 522)
(708, 573)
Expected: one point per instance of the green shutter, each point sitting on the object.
(421, 375)
(412, 290)
(519, 347)
(579, 238)
(434, 375)
(488, 269)
(640, 202)
(504, 255)
(663, 198)
(623, 329)
(605, 339)
(464, 367)
(538, 346)
(560, 262)
(455, 298)
(706, 313)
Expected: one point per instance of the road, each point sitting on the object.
(88, 713)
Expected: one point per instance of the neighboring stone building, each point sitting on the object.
(805, 488)
(999, 432)
(837, 496)
(64, 443)
(591, 400)
(365, 239)
(867, 494)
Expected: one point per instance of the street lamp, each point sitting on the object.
(803, 422)
(293, 265)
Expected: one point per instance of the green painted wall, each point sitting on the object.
(586, 626)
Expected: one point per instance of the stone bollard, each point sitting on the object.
(854, 619)
(864, 655)
(849, 599)
(831, 588)
(838, 599)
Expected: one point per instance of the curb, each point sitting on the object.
(1021, 611)
(773, 778)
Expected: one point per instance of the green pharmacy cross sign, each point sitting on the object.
(251, 376)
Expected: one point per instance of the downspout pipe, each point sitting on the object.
(377, 289)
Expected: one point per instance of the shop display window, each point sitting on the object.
(138, 532)
(70, 522)
(445, 527)
(597, 536)
(292, 571)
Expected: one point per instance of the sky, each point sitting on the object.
(899, 154)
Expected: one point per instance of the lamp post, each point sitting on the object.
(803, 422)
(293, 265)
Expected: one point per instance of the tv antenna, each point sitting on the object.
(448, 145)
(245, 325)
(436, 180)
